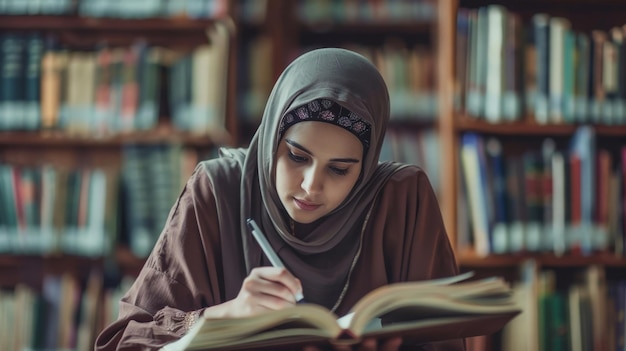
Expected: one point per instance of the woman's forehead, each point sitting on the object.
(324, 137)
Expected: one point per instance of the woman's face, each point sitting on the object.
(317, 164)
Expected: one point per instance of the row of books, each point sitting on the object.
(87, 211)
(409, 72)
(418, 147)
(555, 199)
(36, 7)
(585, 313)
(255, 79)
(65, 314)
(124, 9)
(48, 209)
(110, 90)
(315, 11)
(543, 69)
(152, 178)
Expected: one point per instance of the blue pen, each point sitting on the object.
(267, 249)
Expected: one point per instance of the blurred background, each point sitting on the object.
(515, 110)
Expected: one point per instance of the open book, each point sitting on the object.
(420, 312)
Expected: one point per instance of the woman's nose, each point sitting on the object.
(312, 181)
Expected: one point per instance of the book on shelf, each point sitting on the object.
(422, 311)
(474, 173)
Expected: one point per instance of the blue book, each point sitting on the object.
(32, 76)
(11, 81)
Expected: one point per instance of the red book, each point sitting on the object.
(18, 198)
(603, 181)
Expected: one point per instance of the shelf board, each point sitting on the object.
(51, 259)
(87, 32)
(371, 33)
(606, 13)
(523, 128)
(129, 263)
(547, 260)
(30, 268)
(61, 139)
(16, 268)
(69, 22)
(372, 27)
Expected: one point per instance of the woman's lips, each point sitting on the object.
(305, 205)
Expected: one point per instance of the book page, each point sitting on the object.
(346, 321)
(471, 297)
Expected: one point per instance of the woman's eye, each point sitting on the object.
(296, 158)
(339, 171)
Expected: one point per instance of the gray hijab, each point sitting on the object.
(323, 258)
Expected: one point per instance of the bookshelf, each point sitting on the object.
(68, 186)
(562, 253)
(527, 129)
(267, 35)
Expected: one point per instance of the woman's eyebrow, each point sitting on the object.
(296, 145)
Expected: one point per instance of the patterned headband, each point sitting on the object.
(324, 110)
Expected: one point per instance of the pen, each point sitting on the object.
(267, 249)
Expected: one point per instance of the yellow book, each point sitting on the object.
(424, 311)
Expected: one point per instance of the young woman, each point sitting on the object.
(342, 223)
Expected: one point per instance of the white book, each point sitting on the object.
(558, 203)
(475, 194)
(478, 71)
(494, 86)
(558, 29)
(210, 83)
(609, 81)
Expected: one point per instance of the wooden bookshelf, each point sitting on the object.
(70, 150)
(470, 260)
(584, 15)
(31, 268)
(601, 269)
(61, 139)
(72, 22)
(288, 36)
(376, 32)
(468, 124)
(183, 33)
(128, 263)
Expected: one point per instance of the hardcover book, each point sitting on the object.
(419, 312)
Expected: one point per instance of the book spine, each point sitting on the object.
(540, 23)
(34, 53)
(496, 15)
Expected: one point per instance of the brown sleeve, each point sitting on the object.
(425, 250)
(180, 278)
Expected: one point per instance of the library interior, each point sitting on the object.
(516, 110)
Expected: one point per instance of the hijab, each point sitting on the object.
(323, 258)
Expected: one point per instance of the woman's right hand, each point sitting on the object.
(265, 289)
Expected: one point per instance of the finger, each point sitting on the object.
(265, 293)
(267, 282)
(281, 276)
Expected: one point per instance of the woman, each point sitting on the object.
(342, 223)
